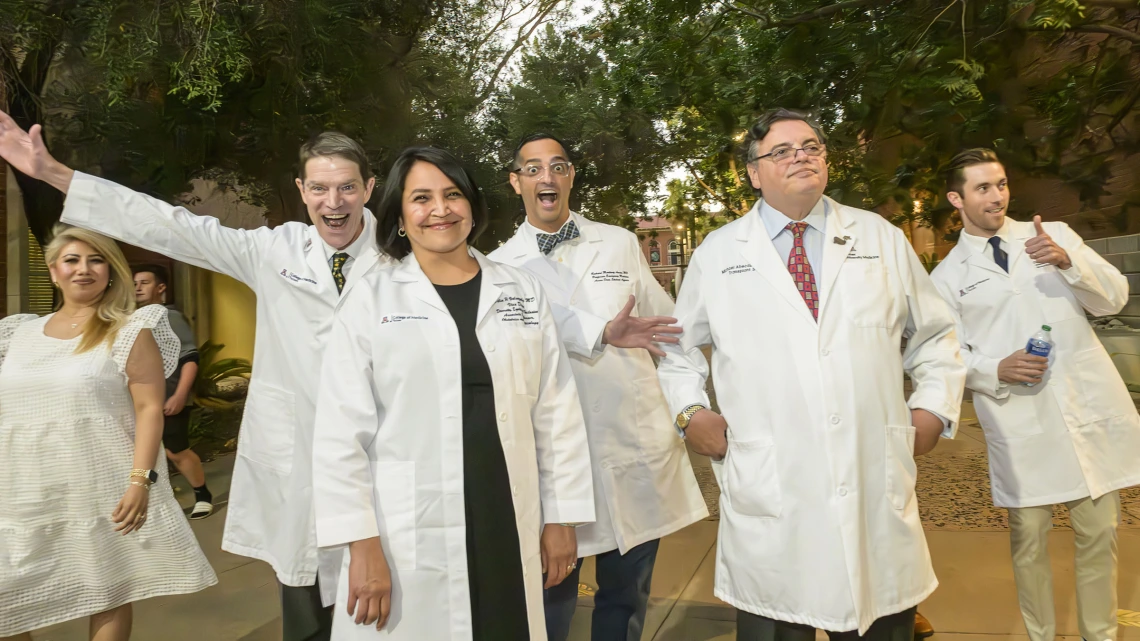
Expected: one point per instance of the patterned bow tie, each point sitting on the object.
(547, 242)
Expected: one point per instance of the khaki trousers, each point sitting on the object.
(1094, 523)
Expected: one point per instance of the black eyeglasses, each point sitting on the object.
(787, 154)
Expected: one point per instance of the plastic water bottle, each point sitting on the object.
(1040, 344)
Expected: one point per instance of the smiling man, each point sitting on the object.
(611, 314)
(1061, 429)
(299, 273)
(805, 303)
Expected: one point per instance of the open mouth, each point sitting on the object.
(336, 221)
(548, 198)
(444, 226)
(996, 210)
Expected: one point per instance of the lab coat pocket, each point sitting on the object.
(268, 427)
(1103, 393)
(868, 301)
(394, 495)
(901, 469)
(526, 359)
(752, 478)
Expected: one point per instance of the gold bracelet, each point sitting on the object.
(146, 486)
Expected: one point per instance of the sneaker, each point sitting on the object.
(201, 510)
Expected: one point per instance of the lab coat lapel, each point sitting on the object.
(584, 254)
(840, 227)
(491, 286)
(524, 253)
(410, 273)
(759, 251)
(368, 257)
(318, 263)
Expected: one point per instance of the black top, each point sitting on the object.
(494, 564)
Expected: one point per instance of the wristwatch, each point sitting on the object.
(150, 476)
(687, 414)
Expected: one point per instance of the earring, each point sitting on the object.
(401, 233)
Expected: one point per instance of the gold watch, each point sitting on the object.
(687, 414)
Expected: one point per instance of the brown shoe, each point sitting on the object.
(922, 627)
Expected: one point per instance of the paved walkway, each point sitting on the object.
(969, 541)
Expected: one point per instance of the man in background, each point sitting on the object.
(150, 289)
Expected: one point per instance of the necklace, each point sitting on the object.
(76, 324)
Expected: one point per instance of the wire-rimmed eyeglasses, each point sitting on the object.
(788, 153)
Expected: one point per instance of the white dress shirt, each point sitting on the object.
(776, 223)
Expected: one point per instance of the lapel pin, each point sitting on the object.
(840, 241)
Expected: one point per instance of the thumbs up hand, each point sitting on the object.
(1043, 250)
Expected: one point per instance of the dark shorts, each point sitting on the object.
(176, 431)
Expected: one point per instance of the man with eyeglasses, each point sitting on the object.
(612, 314)
(805, 303)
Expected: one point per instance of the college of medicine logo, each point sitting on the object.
(384, 320)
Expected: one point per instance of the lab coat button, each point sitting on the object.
(491, 348)
(1017, 291)
(834, 420)
(514, 490)
(842, 491)
(825, 352)
(502, 416)
(597, 406)
(573, 301)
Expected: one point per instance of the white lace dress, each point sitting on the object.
(67, 429)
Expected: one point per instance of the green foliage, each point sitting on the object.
(899, 85)
(211, 372)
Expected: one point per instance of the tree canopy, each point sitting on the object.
(155, 94)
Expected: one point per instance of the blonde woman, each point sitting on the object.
(88, 525)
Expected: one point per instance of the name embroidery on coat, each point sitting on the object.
(517, 309)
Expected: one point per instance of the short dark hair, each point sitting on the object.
(536, 136)
(391, 209)
(337, 145)
(956, 170)
(759, 130)
(763, 125)
(161, 276)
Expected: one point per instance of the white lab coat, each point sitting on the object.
(270, 508)
(1077, 433)
(819, 520)
(388, 453)
(644, 485)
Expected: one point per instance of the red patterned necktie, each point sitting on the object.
(800, 269)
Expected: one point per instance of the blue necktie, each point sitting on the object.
(547, 242)
(1000, 257)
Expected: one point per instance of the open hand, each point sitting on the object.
(130, 513)
(1042, 249)
(642, 332)
(369, 583)
(25, 151)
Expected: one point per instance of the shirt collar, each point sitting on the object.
(532, 232)
(775, 221)
(978, 245)
(355, 247)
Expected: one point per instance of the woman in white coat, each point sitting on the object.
(448, 428)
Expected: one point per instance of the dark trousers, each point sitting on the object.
(619, 604)
(302, 616)
(753, 627)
